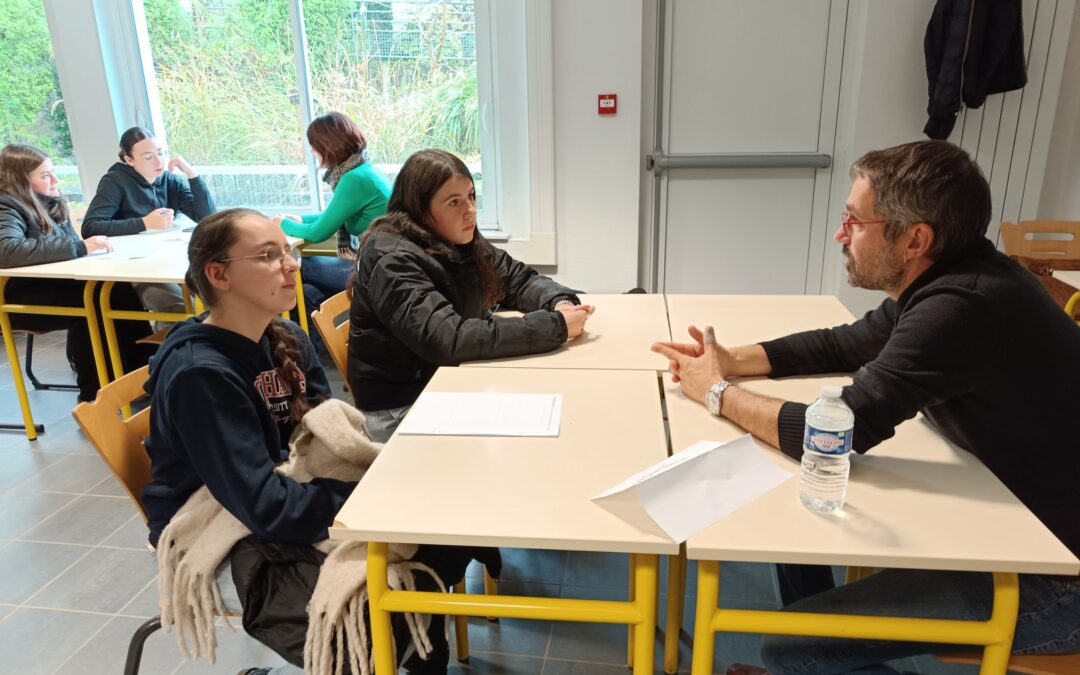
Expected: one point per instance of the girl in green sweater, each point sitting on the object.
(360, 195)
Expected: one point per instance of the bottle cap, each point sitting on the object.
(832, 391)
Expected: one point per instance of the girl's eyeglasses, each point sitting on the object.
(274, 257)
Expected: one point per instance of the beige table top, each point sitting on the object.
(521, 492)
(153, 257)
(748, 319)
(915, 501)
(617, 337)
(1071, 277)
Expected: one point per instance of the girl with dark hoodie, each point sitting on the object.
(141, 192)
(426, 288)
(35, 228)
(226, 391)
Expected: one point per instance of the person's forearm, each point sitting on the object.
(749, 361)
(753, 412)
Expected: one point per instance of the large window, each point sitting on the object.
(235, 91)
(32, 110)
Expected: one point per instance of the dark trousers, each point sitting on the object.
(69, 293)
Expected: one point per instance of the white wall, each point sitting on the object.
(1060, 198)
(597, 50)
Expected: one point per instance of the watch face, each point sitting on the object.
(712, 401)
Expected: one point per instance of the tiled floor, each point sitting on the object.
(76, 579)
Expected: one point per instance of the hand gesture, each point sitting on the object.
(180, 163)
(158, 219)
(696, 366)
(97, 243)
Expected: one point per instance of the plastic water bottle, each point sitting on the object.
(826, 452)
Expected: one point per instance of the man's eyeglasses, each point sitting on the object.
(275, 257)
(846, 221)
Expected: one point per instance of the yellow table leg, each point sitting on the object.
(708, 592)
(676, 594)
(16, 369)
(382, 636)
(301, 306)
(110, 329)
(461, 627)
(631, 595)
(95, 336)
(1003, 620)
(646, 573)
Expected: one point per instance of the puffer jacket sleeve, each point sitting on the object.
(408, 303)
(526, 289)
(101, 214)
(17, 249)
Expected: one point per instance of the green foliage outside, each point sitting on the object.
(31, 109)
(227, 82)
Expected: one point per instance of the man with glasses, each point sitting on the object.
(967, 337)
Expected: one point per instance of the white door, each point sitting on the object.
(752, 85)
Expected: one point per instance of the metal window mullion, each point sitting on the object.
(487, 91)
(304, 103)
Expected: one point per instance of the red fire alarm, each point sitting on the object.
(607, 104)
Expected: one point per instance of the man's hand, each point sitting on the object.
(696, 366)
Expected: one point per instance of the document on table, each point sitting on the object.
(441, 413)
(695, 488)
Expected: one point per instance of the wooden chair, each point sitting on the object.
(119, 442)
(1043, 246)
(335, 330)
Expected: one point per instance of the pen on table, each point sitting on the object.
(491, 314)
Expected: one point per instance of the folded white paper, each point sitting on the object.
(695, 488)
(441, 413)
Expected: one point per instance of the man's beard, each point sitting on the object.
(881, 272)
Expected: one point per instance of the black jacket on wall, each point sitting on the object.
(974, 48)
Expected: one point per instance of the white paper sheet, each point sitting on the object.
(695, 488)
(442, 413)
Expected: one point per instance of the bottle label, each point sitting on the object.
(827, 442)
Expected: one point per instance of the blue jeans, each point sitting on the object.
(381, 424)
(1048, 621)
(322, 277)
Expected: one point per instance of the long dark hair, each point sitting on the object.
(335, 137)
(409, 209)
(210, 242)
(17, 162)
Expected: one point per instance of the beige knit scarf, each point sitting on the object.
(330, 442)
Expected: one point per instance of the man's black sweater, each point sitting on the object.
(977, 346)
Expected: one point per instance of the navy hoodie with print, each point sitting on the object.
(124, 197)
(219, 416)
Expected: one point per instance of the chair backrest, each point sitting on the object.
(335, 330)
(1042, 239)
(120, 441)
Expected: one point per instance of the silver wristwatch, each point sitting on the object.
(713, 397)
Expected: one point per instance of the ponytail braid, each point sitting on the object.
(286, 350)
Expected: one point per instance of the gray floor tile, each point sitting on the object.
(495, 663)
(26, 567)
(103, 581)
(595, 642)
(557, 667)
(41, 640)
(109, 487)
(513, 636)
(20, 511)
(21, 464)
(145, 603)
(86, 520)
(47, 407)
(64, 437)
(131, 534)
(73, 473)
(106, 651)
(5, 610)
(597, 570)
